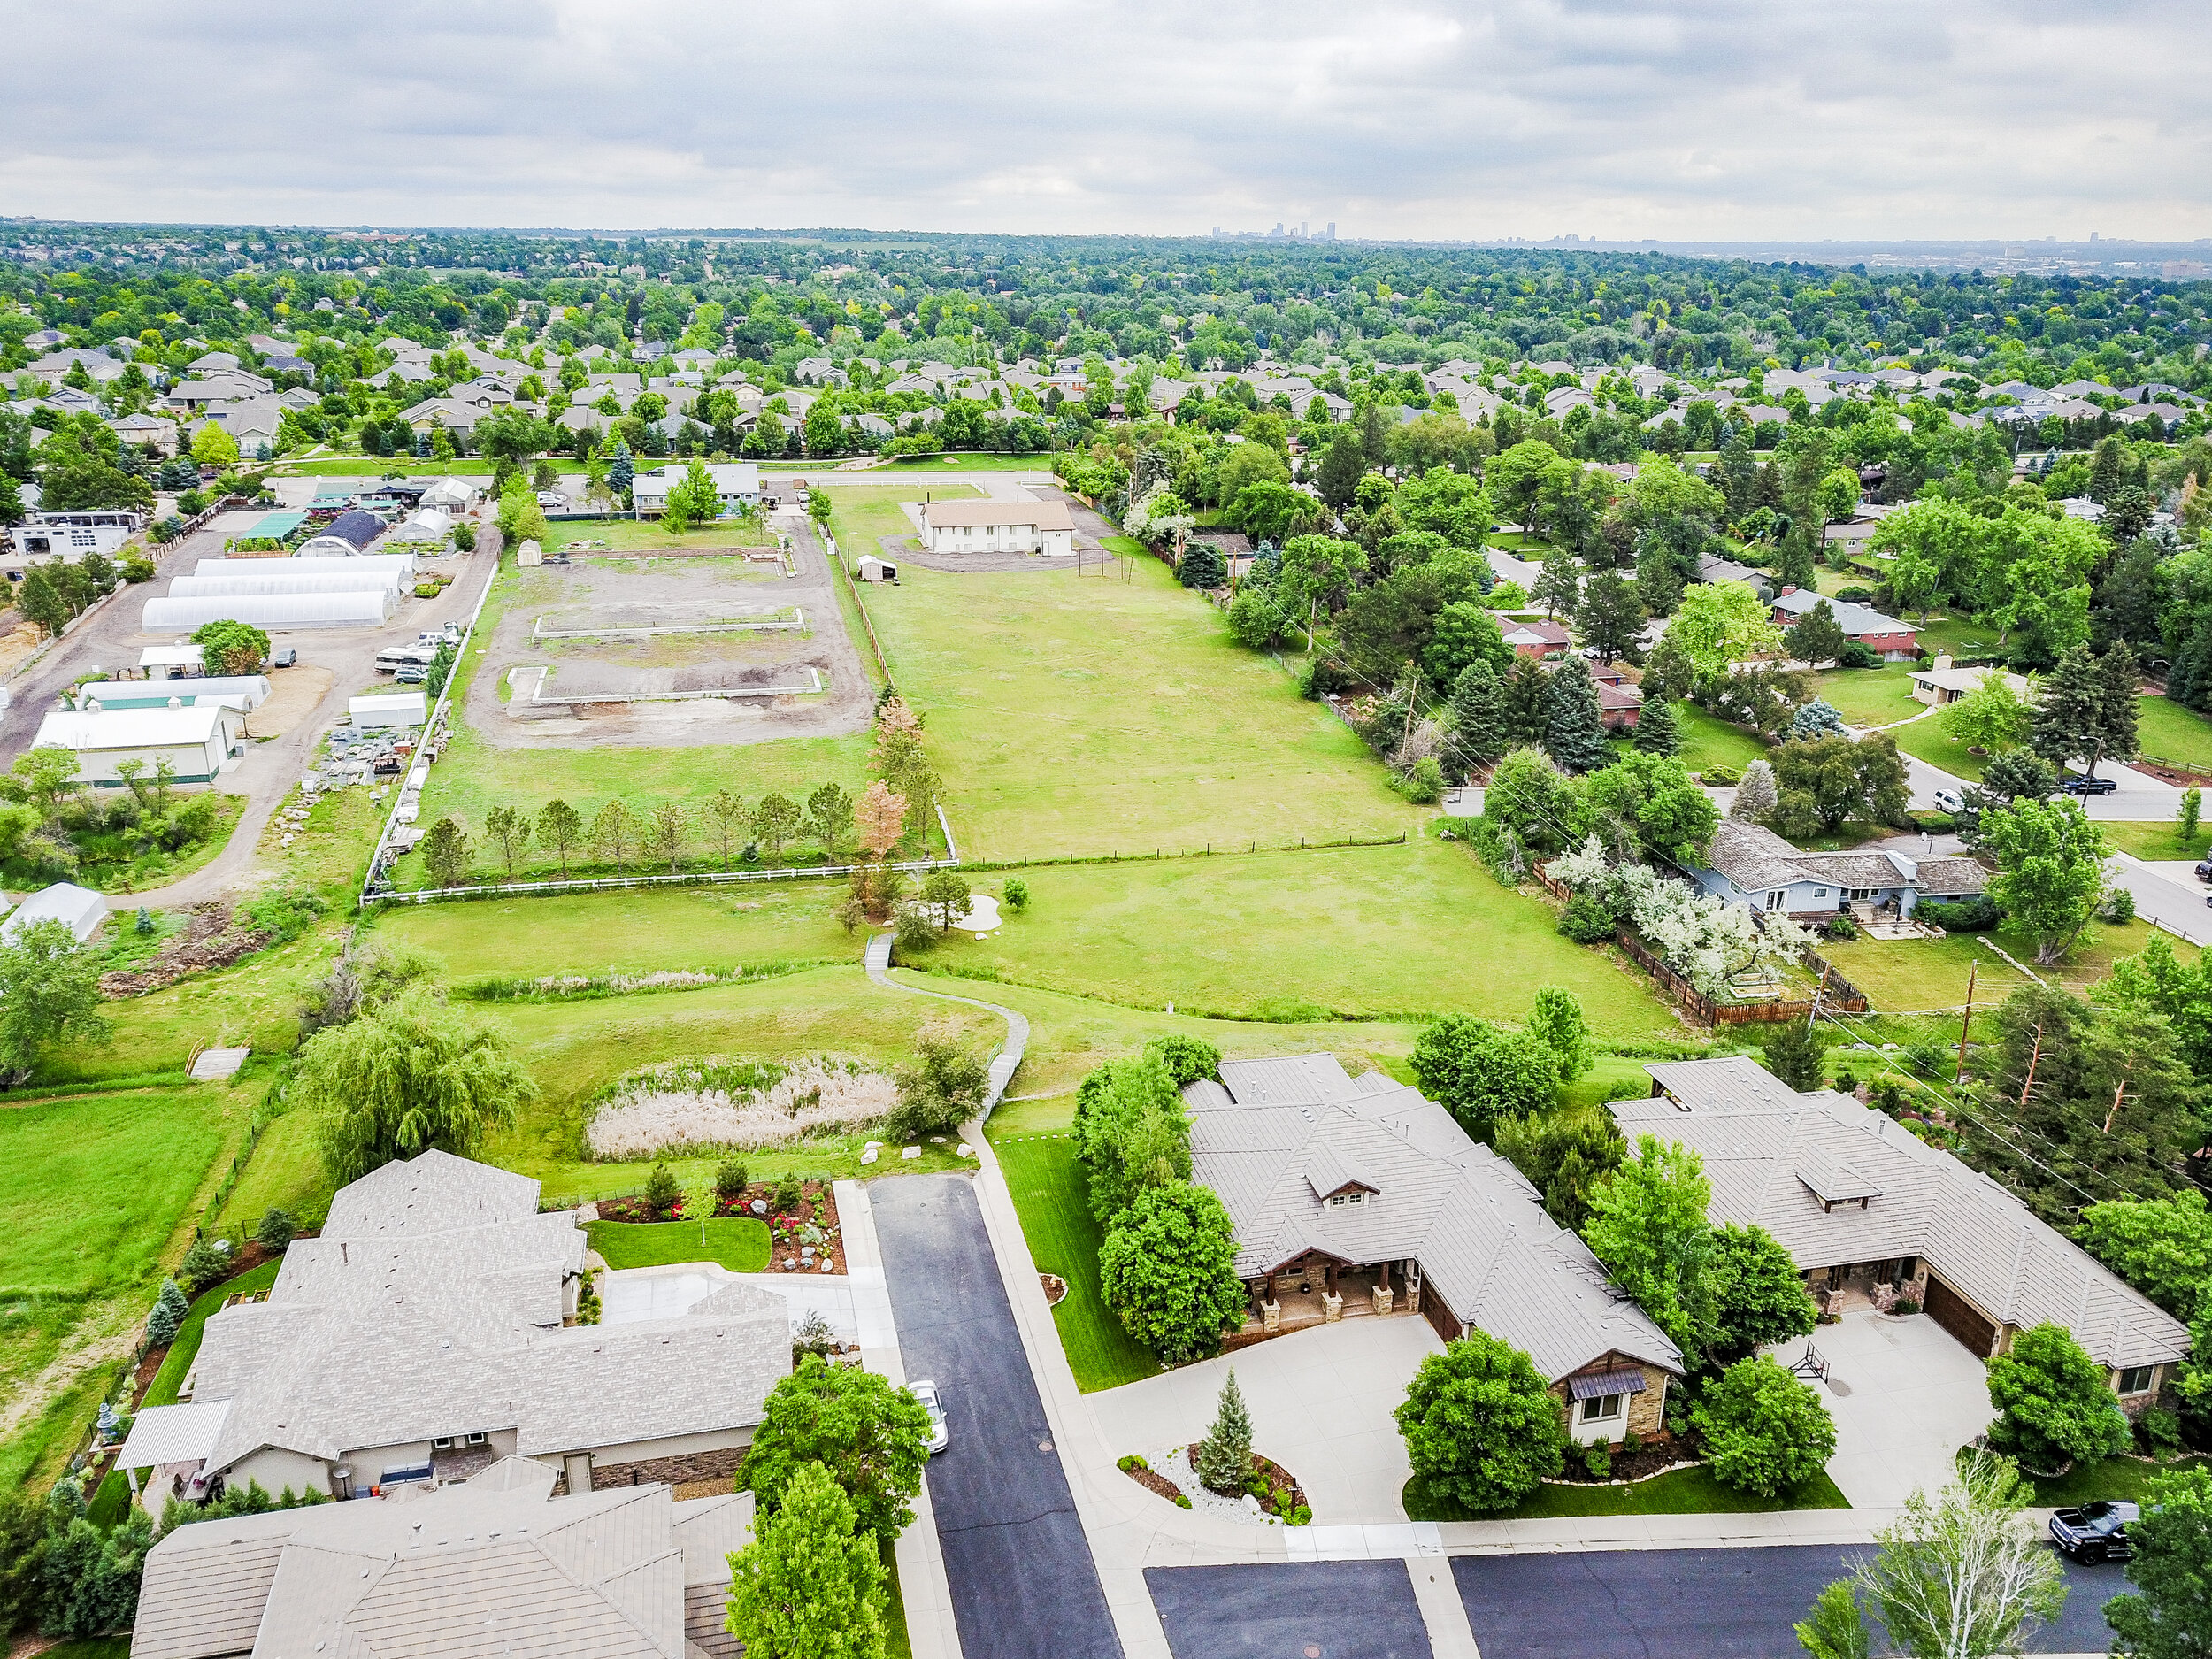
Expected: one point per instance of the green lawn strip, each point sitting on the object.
(1692, 1491)
(2126, 1480)
(1957, 635)
(286, 1172)
(92, 1648)
(1075, 713)
(376, 467)
(1871, 696)
(2155, 842)
(624, 533)
(737, 1242)
(1049, 1194)
(960, 461)
(2171, 732)
(896, 1643)
(1900, 975)
(1363, 931)
(1048, 1115)
(1710, 744)
(1926, 739)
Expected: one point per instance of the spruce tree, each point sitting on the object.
(2070, 714)
(1522, 695)
(1795, 1054)
(621, 469)
(2119, 700)
(2107, 470)
(1225, 1456)
(1478, 716)
(1657, 732)
(1574, 727)
(1794, 565)
(169, 1312)
(1558, 583)
(1611, 617)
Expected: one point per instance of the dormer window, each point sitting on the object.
(1355, 1196)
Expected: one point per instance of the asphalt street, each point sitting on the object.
(1345, 1610)
(1697, 1603)
(1023, 1582)
(2171, 896)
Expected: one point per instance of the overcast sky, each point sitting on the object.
(1722, 119)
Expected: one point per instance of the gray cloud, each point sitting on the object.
(1664, 118)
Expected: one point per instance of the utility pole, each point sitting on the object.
(1966, 1025)
(2035, 1055)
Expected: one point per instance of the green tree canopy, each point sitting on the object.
(872, 1439)
(2169, 1615)
(49, 994)
(1480, 1425)
(2053, 1402)
(1168, 1270)
(809, 1585)
(1759, 1296)
(1764, 1432)
(2050, 869)
(1480, 1072)
(1132, 1131)
(1648, 1226)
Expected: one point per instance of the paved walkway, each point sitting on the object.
(1008, 1058)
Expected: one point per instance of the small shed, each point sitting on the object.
(875, 570)
(395, 709)
(529, 553)
(79, 910)
(167, 661)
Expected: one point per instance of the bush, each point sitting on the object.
(729, 1180)
(275, 1231)
(1186, 1058)
(1720, 777)
(1764, 1431)
(1933, 823)
(2053, 1405)
(1905, 1305)
(1480, 1427)
(1017, 894)
(1598, 1461)
(1422, 783)
(1168, 1270)
(1858, 653)
(662, 1191)
(2158, 1432)
(913, 930)
(1588, 920)
(1963, 916)
(202, 1266)
(1840, 927)
(2118, 907)
(788, 1197)
(464, 537)
(135, 570)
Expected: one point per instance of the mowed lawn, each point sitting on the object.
(94, 1188)
(1074, 714)
(1710, 744)
(1050, 1195)
(737, 1242)
(1871, 696)
(1692, 1491)
(2172, 733)
(1361, 931)
(1906, 975)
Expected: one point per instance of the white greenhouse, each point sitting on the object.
(79, 910)
(281, 581)
(244, 692)
(404, 562)
(275, 612)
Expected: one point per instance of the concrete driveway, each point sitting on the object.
(1320, 1401)
(1905, 1396)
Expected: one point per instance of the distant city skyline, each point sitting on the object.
(1871, 120)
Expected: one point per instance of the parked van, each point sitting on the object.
(400, 655)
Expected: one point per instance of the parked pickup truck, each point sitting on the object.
(2095, 1532)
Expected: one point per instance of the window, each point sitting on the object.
(1338, 1200)
(1601, 1408)
(2136, 1379)
(1820, 893)
(1775, 898)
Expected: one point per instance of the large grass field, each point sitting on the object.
(1710, 744)
(1904, 975)
(1050, 1196)
(2157, 840)
(1871, 696)
(1306, 937)
(98, 1190)
(1071, 714)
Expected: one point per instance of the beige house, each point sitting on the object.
(997, 527)
(1939, 683)
(498, 1564)
(429, 1331)
(1357, 1197)
(1871, 1212)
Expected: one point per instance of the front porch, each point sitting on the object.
(1319, 1291)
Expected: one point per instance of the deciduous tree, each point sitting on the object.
(1480, 1426)
(49, 994)
(614, 833)
(2050, 869)
(809, 1585)
(872, 1439)
(1168, 1270)
(2054, 1403)
(1764, 1432)
(2169, 1615)
(1648, 1226)
(1964, 1575)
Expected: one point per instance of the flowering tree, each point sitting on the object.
(880, 819)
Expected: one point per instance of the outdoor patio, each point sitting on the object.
(1303, 1301)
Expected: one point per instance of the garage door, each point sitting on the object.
(1958, 1315)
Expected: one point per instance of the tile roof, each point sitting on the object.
(1774, 1156)
(492, 1567)
(1274, 1137)
(462, 1283)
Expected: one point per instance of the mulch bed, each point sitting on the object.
(1152, 1480)
(2179, 775)
(1278, 1479)
(1055, 1288)
(817, 1204)
(1661, 1452)
(210, 940)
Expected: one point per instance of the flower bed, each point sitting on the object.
(1270, 1492)
(1640, 1462)
(799, 1239)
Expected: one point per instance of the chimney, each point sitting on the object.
(1942, 661)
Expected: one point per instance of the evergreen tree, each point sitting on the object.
(1523, 690)
(1225, 1456)
(1657, 731)
(621, 469)
(1795, 1054)
(1794, 565)
(1558, 583)
(1341, 464)
(2119, 701)
(1818, 638)
(168, 1314)
(1611, 617)
(1479, 724)
(1757, 794)
(1574, 727)
(2107, 470)
(2070, 713)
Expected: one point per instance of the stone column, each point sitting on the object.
(1271, 1316)
(1332, 1307)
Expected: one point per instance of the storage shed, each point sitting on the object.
(164, 661)
(242, 692)
(875, 570)
(393, 709)
(194, 741)
(530, 553)
(275, 612)
(79, 910)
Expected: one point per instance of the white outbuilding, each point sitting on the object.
(281, 580)
(194, 741)
(275, 612)
(169, 661)
(392, 709)
(242, 692)
(79, 910)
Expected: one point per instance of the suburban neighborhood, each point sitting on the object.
(788, 868)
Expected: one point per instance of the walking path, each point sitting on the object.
(1010, 1058)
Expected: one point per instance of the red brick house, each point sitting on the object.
(1897, 641)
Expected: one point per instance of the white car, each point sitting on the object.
(1949, 801)
(553, 499)
(939, 1436)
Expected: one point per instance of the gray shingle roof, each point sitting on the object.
(431, 1306)
(1768, 1150)
(1275, 1136)
(496, 1566)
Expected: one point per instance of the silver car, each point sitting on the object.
(940, 1435)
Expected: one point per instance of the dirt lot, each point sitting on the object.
(603, 608)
